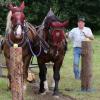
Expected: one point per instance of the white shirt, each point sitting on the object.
(77, 35)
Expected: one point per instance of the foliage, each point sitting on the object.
(36, 10)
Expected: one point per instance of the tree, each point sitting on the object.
(36, 10)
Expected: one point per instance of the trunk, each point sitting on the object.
(16, 71)
(86, 71)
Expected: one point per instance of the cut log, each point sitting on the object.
(86, 70)
(16, 71)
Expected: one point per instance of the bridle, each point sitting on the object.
(23, 39)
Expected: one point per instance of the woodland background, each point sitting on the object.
(36, 10)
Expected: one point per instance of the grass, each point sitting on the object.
(67, 78)
(4, 93)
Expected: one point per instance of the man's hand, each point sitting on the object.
(89, 37)
(67, 35)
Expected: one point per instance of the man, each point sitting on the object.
(77, 35)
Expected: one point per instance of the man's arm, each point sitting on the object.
(89, 34)
(90, 37)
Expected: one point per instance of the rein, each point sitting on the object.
(33, 53)
(28, 25)
(25, 39)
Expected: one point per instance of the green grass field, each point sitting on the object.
(67, 77)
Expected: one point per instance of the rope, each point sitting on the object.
(38, 54)
(43, 43)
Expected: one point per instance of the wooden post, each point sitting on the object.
(86, 70)
(16, 71)
(0, 71)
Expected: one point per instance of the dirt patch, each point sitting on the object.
(33, 94)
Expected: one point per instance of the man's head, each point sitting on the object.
(81, 22)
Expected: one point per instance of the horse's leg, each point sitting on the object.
(42, 76)
(26, 63)
(9, 76)
(56, 76)
(53, 83)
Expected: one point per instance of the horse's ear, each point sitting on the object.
(66, 23)
(10, 7)
(22, 6)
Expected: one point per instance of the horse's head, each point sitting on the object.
(54, 31)
(17, 19)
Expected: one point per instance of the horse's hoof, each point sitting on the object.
(44, 93)
(56, 95)
(47, 91)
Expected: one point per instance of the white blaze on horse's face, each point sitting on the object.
(18, 31)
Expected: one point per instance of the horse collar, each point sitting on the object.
(11, 43)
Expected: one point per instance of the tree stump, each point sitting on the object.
(16, 72)
(86, 70)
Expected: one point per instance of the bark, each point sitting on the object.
(86, 71)
(16, 71)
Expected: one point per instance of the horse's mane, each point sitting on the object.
(30, 27)
(9, 23)
(49, 20)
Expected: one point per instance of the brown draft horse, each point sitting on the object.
(54, 51)
(18, 32)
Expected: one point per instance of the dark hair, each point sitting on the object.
(81, 19)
